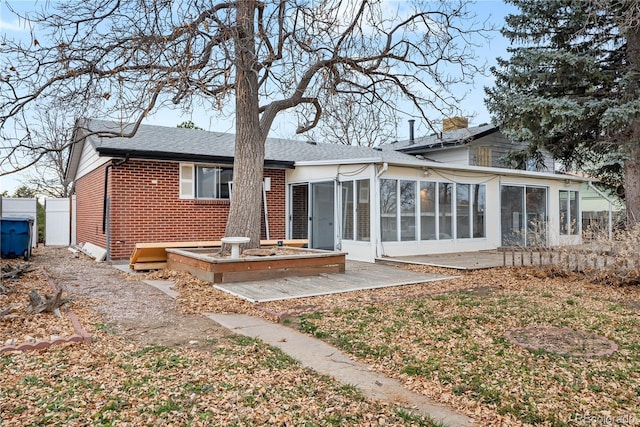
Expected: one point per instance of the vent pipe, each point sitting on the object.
(411, 136)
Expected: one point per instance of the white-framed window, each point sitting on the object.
(205, 181)
(355, 210)
(429, 210)
(569, 224)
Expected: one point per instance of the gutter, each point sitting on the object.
(384, 168)
(604, 196)
(185, 157)
(104, 199)
(338, 161)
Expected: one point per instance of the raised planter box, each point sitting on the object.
(299, 262)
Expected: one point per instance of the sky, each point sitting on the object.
(491, 11)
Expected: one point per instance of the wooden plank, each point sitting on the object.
(274, 264)
(247, 276)
(197, 244)
(175, 260)
(141, 266)
(294, 243)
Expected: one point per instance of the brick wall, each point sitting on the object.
(89, 199)
(145, 207)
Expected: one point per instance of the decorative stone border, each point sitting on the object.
(536, 338)
(79, 336)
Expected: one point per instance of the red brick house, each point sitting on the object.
(162, 185)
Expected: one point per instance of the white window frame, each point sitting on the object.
(188, 181)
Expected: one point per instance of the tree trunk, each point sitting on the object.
(246, 198)
(632, 165)
(632, 179)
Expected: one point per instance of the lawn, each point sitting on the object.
(447, 340)
(226, 381)
(114, 382)
(452, 347)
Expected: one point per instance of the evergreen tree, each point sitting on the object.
(571, 86)
(189, 125)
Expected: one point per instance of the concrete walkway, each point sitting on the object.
(325, 359)
(328, 360)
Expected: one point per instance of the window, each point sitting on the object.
(446, 210)
(347, 210)
(428, 230)
(388, 210)
(463, 208)
(470, 206)
(204, 182)
(407, 210)
(569, 212)
(363, 228)
(483, 156)
(445, 203)
(355, 222)
(478, 208)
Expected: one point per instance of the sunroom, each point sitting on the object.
(374, 210)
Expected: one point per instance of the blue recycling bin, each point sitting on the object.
(15, 237)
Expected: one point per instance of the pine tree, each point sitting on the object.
(571, 86)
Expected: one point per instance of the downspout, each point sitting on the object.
(378, 243)
(104, 200)
(601, 194)
(385, 166)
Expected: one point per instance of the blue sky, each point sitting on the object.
(493, 11)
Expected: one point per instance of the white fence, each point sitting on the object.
(60, 221)
(59, 225)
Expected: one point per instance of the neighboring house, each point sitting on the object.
(172, 184)
(602, 211)
(482, 145)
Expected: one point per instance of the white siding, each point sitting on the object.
(89, 160)
(455, 156)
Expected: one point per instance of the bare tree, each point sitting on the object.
(47, 176)
(352, 119)
(128, 59)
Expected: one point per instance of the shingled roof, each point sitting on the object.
(444, 139)
(179, 144)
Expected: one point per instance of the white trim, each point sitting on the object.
(338, 162)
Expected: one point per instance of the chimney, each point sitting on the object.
(455, 123)
(411, 136)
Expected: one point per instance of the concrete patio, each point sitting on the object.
(358, 276)
(458, 260)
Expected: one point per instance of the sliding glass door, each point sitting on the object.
(523, 215)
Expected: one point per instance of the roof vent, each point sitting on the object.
(483, 124)
(411, 137)
(377, 148)
(311, 142)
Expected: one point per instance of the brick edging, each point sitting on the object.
(79, 334)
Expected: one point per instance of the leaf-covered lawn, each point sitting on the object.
(452, 347)
(114, 382)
